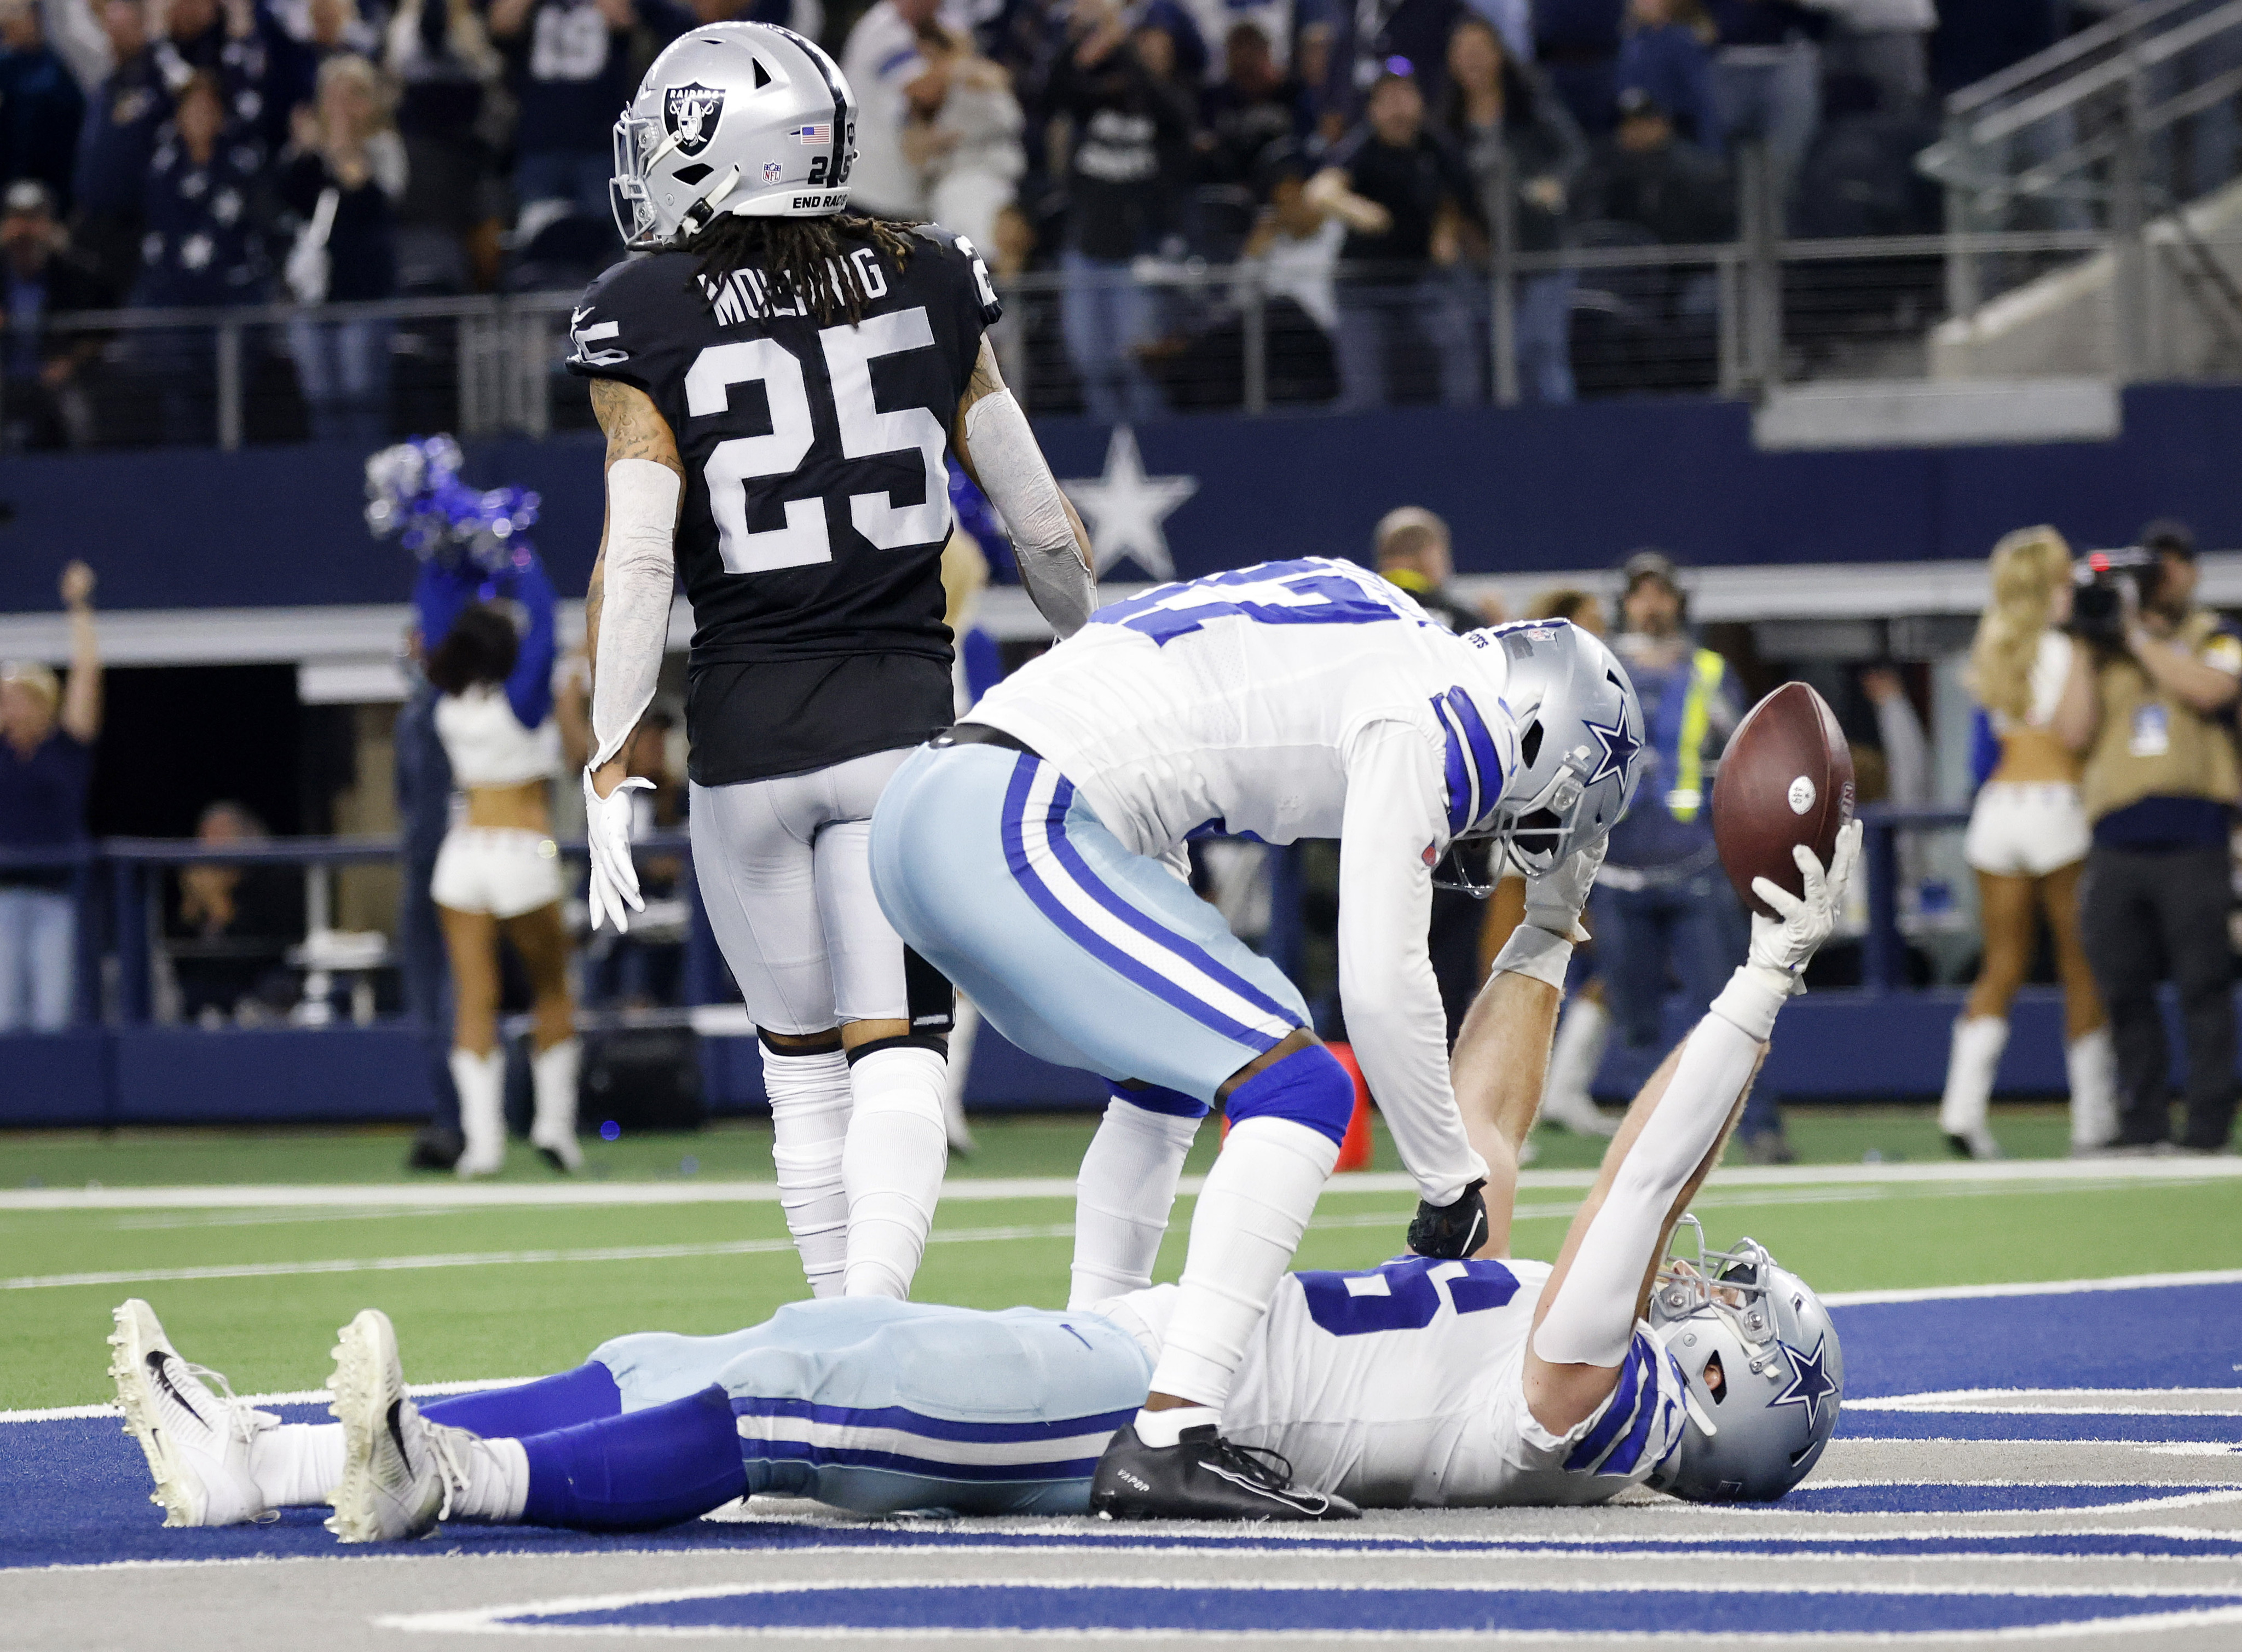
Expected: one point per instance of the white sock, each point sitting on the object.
(553, 1080)
(296, 1465)
(1978, 1041)
(497, 1480)
(964, 1032)
(1257, 1203)
(1122, 1198)
(809, 1100)
(481, 1081)
(892, 1165)
(2090, 1060)
(1162, 1428)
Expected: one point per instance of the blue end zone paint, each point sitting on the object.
(2179, 1336)
(75, 1492)
(1308, 1610)
(2069, 1424)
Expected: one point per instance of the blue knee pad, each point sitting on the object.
(1153, 1098)
(1309, 1087)
(639, 1471)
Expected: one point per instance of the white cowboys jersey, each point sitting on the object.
(1404, 1387)
(1290, 700)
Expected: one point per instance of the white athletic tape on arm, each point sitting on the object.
(1536, 953)
(1018, 481)
(634, 611)
(1591, 1318)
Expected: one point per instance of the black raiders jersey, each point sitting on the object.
(816, 496)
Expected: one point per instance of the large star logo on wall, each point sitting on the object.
(1810, 1382)
(1125, 508)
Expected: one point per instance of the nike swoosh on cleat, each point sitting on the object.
(163, 1380)
(1314, 1502)
(397, 1432)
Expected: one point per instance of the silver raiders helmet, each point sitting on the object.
(734, 117)
(1765, 1373)
(1580, 741)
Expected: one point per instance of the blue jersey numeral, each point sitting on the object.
(1404, 1295)
(1272, 592)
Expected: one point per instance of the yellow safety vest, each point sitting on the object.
(1688, 794)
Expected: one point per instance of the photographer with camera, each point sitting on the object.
(2148, 706)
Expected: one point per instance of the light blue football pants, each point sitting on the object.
(882, 1407)
(990, 866)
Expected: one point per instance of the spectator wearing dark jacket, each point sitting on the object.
(1255, 104)
(1367, 38)
(570, 64)
(1643, 174)
(1402, 191)
(1666, 52)
(117, 141)
(1523, 151)
(42, 404)
(342, 178)
(1132, 127)
(41, 107)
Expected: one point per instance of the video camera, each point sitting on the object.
(2098, 606)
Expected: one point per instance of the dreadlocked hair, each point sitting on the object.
(809, 256)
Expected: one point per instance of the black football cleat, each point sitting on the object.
(1203, 1476)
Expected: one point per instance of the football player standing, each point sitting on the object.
(779, 382)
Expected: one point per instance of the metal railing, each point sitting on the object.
(117, 884)
(2113, 129)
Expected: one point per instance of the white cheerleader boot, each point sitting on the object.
(2090, 1060)
(1574, 1058)
(1978, 1041)
(481, 1081)
(553, 1082)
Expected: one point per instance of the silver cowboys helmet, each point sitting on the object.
(1580, 741)
(1765, 1373)
(734, 117)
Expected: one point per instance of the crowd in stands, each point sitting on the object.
(1375, 157)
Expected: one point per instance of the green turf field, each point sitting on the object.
(505, 1291)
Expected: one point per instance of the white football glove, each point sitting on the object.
(1784, 944)
(1554, 898)
(614, 874)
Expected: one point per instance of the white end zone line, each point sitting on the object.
(438, 1194)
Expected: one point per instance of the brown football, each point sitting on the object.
(1786, 778)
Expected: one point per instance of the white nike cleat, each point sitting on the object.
(399, 1470)
(196, 1442)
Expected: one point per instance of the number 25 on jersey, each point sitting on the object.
(866, 433)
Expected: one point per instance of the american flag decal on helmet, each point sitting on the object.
(820, 132)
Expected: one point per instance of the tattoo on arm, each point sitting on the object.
(635, 426)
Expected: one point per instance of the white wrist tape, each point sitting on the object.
(1750, 1001)
(1535, 952)
(1018, 481)
(641, 576)
(1591, 1318)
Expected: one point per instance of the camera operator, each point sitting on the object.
(2148, 707)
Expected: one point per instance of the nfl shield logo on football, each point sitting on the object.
(773, 172)
(691, 112)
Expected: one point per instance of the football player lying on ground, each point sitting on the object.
(1423, 1383)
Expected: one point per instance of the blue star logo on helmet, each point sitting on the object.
(1809, 1381)
(1619, 746)
(691, 112)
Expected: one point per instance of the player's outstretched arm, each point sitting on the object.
(627, 622)
(1671, 1139)
(1049, 541)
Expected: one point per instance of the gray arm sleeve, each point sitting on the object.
(634, 611)
(1018, 481)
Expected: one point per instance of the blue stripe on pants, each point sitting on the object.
(1029, 922)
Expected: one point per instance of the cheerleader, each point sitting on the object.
(497, 875)
(2027, 842)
